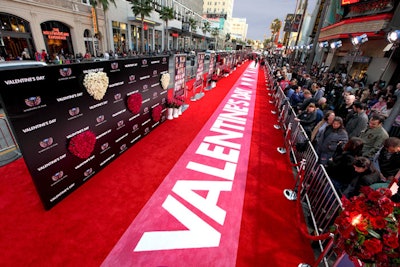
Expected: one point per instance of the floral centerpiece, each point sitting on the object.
(368, 228)
(96, 84)
(214, 78)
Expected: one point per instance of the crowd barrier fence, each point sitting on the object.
(317, 197)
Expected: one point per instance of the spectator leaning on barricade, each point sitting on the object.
(366, 175)
(320, 127)
(308, 118)
(357, 121)
(340, 168)
(373, 136)
(296, 97)
(307, 99)
(387, 159)
(327, 142)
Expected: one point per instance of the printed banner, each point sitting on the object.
(180, 75)
(48, 107)
(200, 67)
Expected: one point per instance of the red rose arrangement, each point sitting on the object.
(156, 113)
(135, 103)
(82, 145)
(368, 228)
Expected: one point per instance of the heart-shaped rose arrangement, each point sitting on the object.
(82, 145)
(165, 80)
(96, 84)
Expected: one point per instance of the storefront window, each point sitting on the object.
(134, 38)
(158, 40)
(15, 36)
(57, 38)
(119, 36)
(91, 42)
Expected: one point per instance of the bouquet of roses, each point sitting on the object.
(368, 228)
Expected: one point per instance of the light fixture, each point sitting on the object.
(357, 40)
(394, 36)
(309, 46)
(336, 44)
(323, 44)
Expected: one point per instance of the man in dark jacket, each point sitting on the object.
(357, 121)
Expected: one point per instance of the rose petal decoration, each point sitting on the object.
(156, 113)
(82, 145)
(135, 103)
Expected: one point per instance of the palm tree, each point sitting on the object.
(142, 8)
(193, 27)
(206, 28)
(166, 14)
(105, 4)
(275, 29)
(215, 33)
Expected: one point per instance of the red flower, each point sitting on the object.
(82, 145)
(135, 103)
(373, 245)
(156, 113)
(368, 228)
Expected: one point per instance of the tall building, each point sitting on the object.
(239, 29)
(219, 12)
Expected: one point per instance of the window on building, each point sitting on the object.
(86, 2)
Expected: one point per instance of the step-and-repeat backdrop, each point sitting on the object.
(70, 121)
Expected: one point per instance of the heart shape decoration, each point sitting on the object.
(96, 84)
(82, 145)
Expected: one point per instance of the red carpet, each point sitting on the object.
(83, 228)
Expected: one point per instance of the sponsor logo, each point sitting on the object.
(57, 176)
(88, 172)
(74, 111)
(46, 142)
(100, 118)
(123, 147)
(33, 101)
(144, 62)
(117, 97)
(132, 78)
(104, 146)
(145, 88)
(114, 65)
(155, 95)
(155, 73)
(164, 60)
(65, 72)
(135, 128)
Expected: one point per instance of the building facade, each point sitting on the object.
(73, 27)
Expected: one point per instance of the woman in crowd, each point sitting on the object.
(340, 167)
(366, 175)
(328, 141)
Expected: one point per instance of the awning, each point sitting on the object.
(149, 22)
(371, 25)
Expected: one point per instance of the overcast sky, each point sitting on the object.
(260, 14)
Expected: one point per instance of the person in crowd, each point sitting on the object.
(387, 159)
(366, 175)
(307, 99)
(380, 107)
(318, 91)
(25, 54)
(323, 105)
(308, 118)
(373, 136)
(340, 167)
(320, 127)
(296, 97)
(346, 107)
(357, 121)
(327, 142)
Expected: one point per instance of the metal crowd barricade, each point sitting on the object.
(319, 199)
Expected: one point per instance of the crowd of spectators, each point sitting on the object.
(343, 118)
